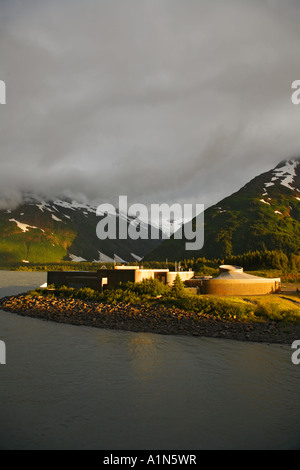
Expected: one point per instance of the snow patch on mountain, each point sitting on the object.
(64, 204)
(103, 258)
(286, 173)
(24, 227)
(56, 218)
(118, 259)
(138, 258)
(76, 258)
(73, 205)
(41, 206)
(265, 202)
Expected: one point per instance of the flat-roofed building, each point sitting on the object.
(232, 280)
(111, 278)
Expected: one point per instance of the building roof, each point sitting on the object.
(231, 273)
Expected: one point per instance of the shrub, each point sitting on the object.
(148, 287)
(177, 287)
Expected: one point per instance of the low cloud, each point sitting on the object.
(161, 100)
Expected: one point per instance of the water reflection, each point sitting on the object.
(76, 387)
(145, 357)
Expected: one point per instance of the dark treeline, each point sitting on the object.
(251, 261)
(267, 260)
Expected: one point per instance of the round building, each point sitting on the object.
(233, 281)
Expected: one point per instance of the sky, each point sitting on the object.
(160, 100)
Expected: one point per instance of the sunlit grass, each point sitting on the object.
(273, 307)
(276, 308)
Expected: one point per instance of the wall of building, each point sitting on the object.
(91, 279)
(112, 277)
(75, 279)
(115, 277)
(239, 287)
(184, 275)
(159, 274)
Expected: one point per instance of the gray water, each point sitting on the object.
(73, 387)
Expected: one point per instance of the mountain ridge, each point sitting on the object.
(56, 230)
(263, 214)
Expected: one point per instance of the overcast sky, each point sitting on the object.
(159, 100)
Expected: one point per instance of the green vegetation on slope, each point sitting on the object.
(254, 218)
(264, 264)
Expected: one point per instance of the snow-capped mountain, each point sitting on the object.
(64, 229)
(263, 214)
(286, 174)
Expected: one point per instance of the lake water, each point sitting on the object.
(73, 387)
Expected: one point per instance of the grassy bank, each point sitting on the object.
(274, 307)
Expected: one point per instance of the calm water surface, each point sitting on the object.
(71, 387)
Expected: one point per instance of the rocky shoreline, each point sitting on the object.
(159, 319)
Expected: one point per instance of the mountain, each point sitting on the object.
(263, 214)
(42, 231)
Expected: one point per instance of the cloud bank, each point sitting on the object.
(160, 100)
